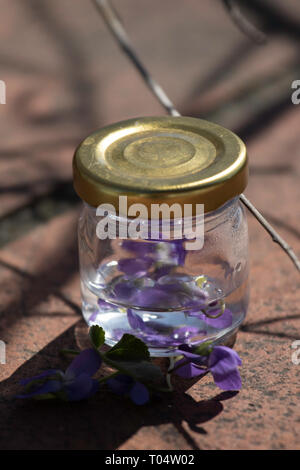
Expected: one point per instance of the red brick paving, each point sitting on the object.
(65, 77)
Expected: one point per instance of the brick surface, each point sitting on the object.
(65, 77)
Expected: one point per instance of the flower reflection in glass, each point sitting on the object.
(150, 289)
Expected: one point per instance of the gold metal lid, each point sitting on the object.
(161, 159)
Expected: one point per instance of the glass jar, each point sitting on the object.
(161, 288)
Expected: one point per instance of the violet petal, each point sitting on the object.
(136, 322)
(123, 291)
(83, 386)
(93, 316)
(88, 362)
(44, 374)
(194, 305)
(104, 304)
(153, 297)
(225, 354)
(179, 251)
(135, 266)
(139, 248)
(51, 386)
(187, 351)
(185, 332)
(121, 384)
(188, 371)
(223, 362)
(161, 271)
(228, 381)
(223, 321)
(139, 394)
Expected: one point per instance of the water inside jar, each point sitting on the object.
(163, 307)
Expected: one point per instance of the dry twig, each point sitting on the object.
(113, 22)
(243, 23)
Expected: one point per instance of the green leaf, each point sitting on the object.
(131, 356)
(45, 396)
(142, 371)
(97, 336)
(41, 381)
(129, 348)
(203, 349)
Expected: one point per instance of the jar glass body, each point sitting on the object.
(161, 292)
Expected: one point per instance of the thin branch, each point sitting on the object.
(243, 23)
(113, 22)
(121, 36)
(272, 232)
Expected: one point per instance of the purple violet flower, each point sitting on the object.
(168, 252)
(136, 267)
(146, 293)
(223, 321)
(222, 362)
(123, 291)
(139, 248)
(73, 385)
(178, 251)
(136, 322)
(148, 334)
(174, 294)
(125, 385)
(162, 270)
(154, 297)
(104, 306)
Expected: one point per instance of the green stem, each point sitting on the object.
(69, 352)
(185, 363)
(104, 379)
(168, 376)
(222, 309)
